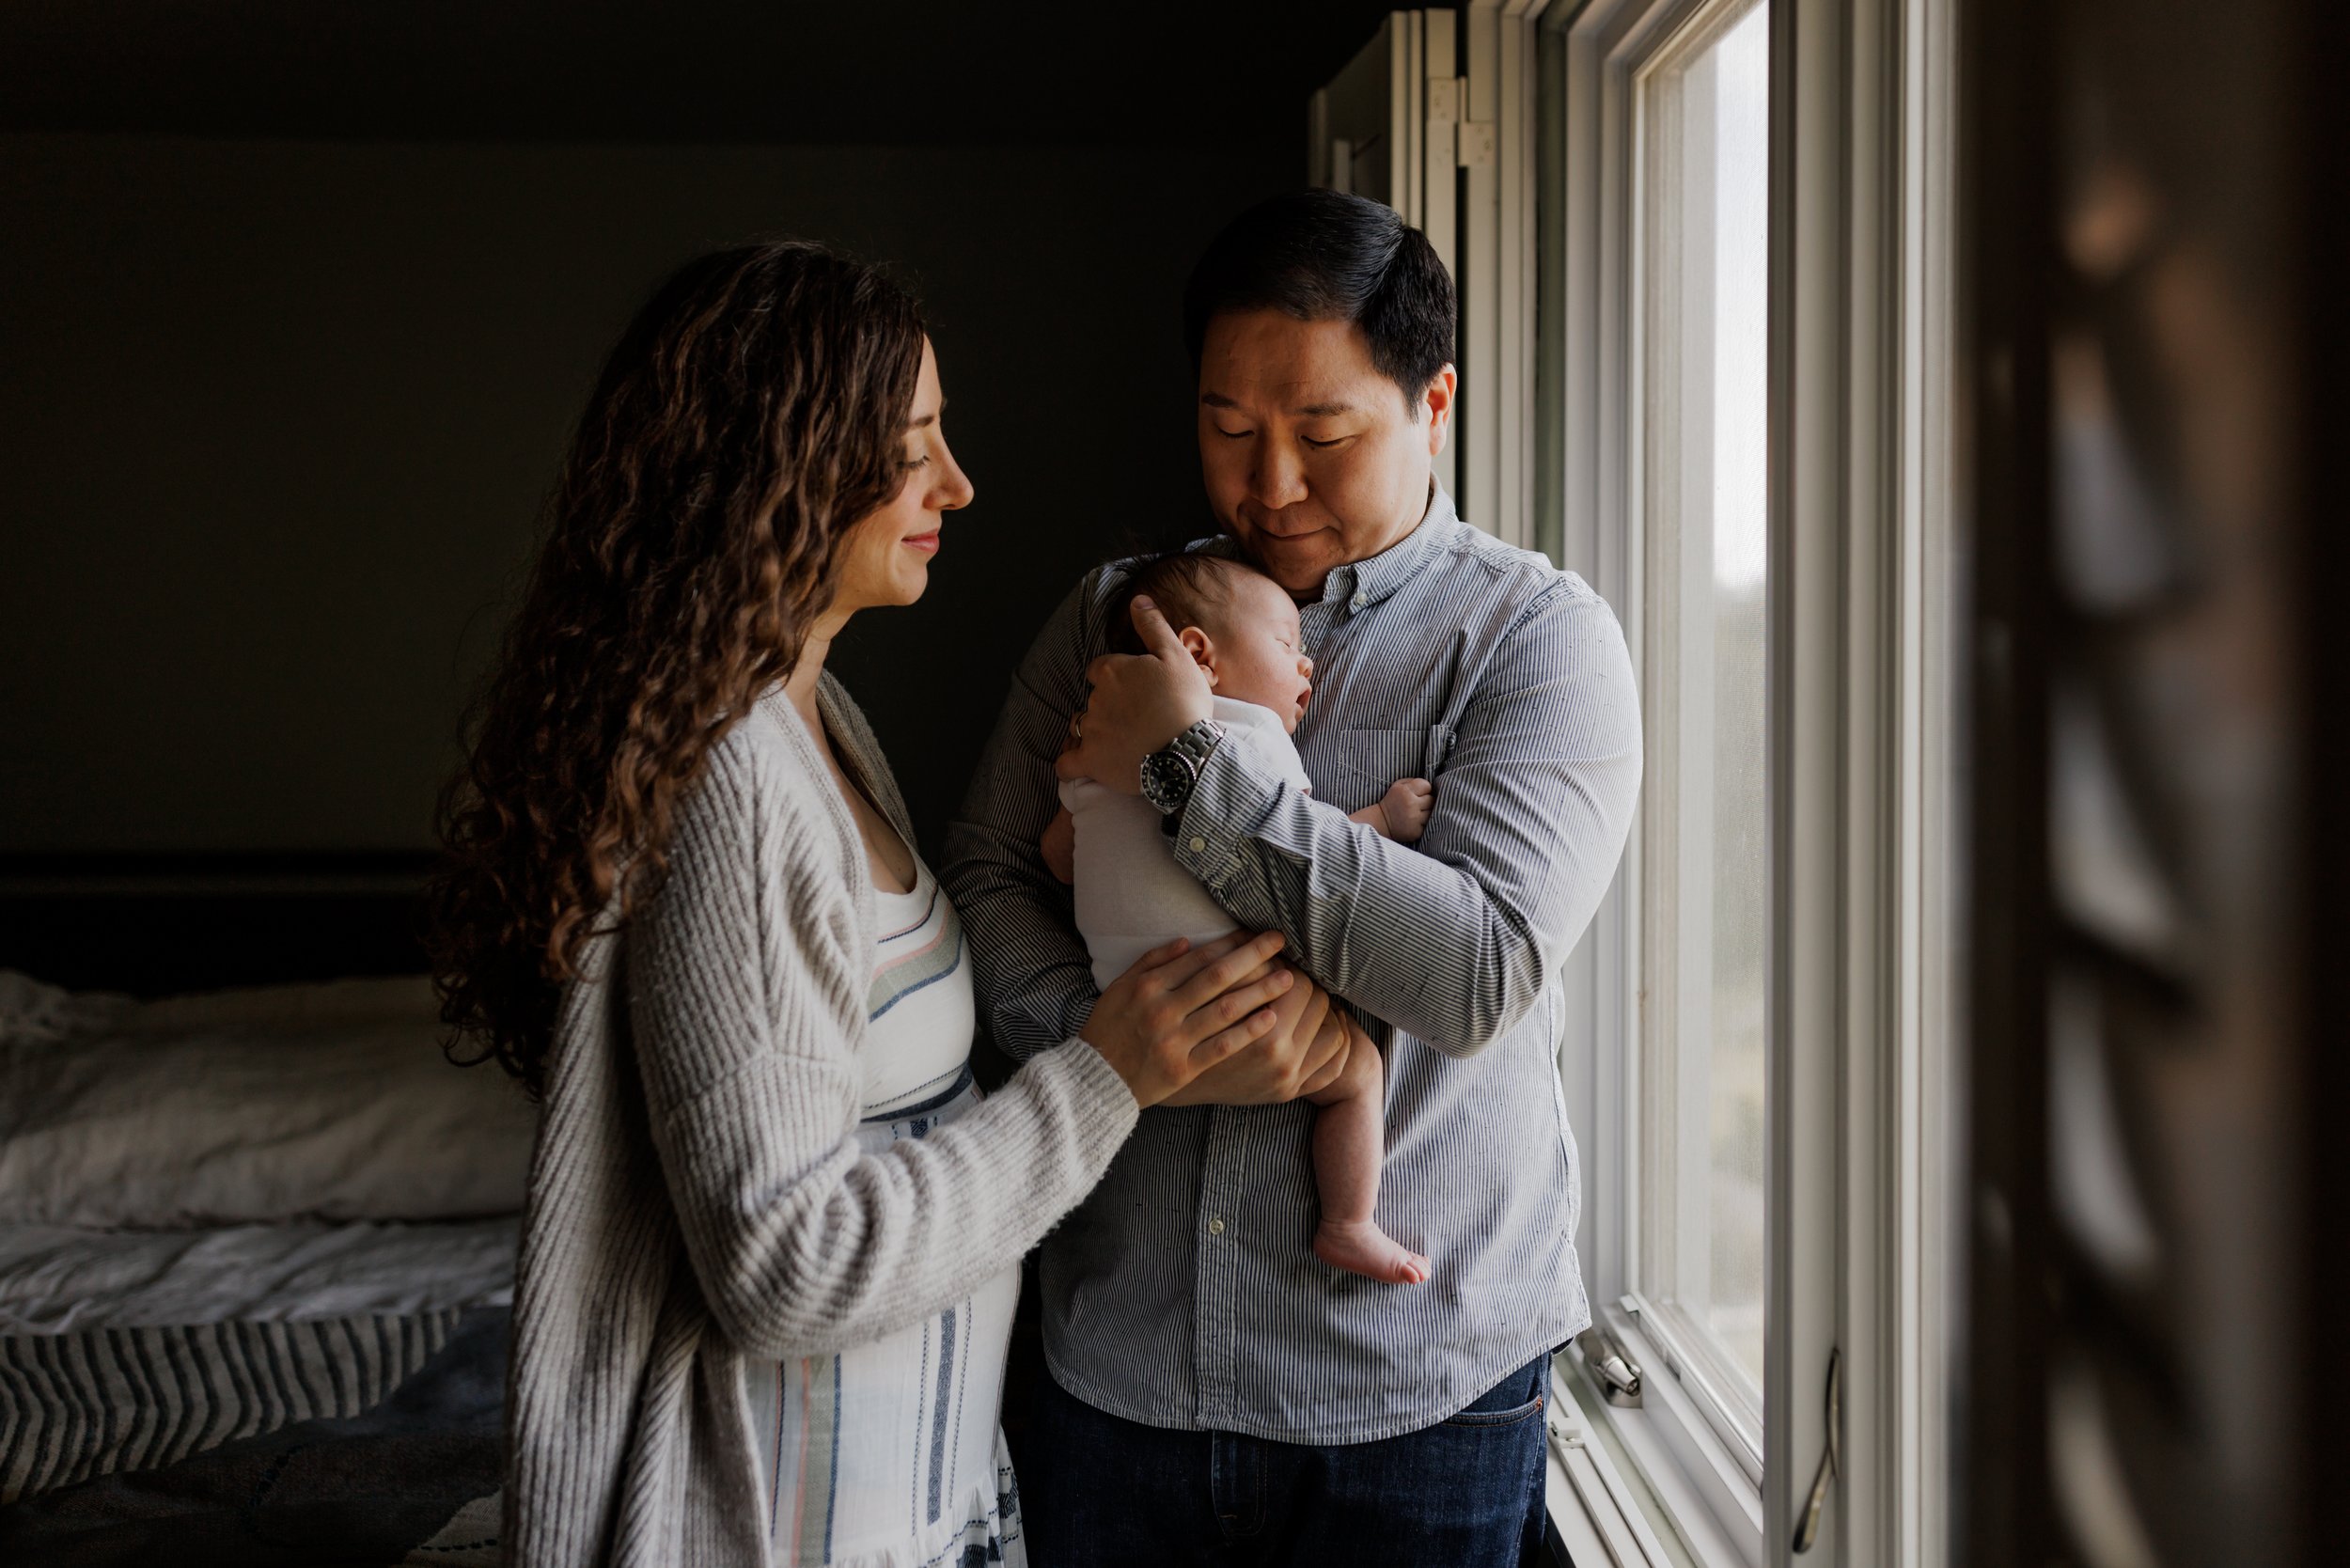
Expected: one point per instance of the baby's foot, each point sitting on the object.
(1361, 1247)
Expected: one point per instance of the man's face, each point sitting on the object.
(1312, 457)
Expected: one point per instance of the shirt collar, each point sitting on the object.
(1359, 585)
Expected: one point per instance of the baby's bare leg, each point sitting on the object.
(1350, 1142)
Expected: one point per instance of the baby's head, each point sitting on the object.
(1236, 622)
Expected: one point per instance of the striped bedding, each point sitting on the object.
(410, 1483)
(97, 1401)
(287, 1347)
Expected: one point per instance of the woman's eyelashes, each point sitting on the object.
(922, 435)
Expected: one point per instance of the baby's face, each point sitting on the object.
(1256, 654)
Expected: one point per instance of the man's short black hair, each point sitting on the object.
(1324, 256)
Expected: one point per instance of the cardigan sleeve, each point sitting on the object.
(746, 1003)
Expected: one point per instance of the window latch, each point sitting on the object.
(1618, 1376)
(1831, 1460)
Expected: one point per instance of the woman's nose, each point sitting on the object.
(955, 490)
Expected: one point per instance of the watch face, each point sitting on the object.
(1167, 778)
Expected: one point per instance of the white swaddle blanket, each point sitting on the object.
(1130, 895)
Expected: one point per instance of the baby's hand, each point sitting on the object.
(1405, 806)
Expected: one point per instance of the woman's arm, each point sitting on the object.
(746, 996)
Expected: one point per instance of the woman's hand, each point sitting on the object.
(1180, 1010)
(1301, 1054)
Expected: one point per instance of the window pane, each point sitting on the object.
(1705, 188)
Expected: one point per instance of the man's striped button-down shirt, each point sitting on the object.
(1183, 1293)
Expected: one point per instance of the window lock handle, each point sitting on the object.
(1618, 1377)
(1831, 1459)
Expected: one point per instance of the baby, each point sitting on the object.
(1130, 895)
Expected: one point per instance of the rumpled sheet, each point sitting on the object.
(273, 1102)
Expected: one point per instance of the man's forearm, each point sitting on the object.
(1032, 974)
(1406, 938)
(1452, 940)
(1034, 978)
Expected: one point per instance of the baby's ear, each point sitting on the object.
(1203, 651)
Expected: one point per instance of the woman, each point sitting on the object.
(772, 1236)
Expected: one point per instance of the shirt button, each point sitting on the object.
(1215, 1227)
(1199, 846)
(1358, 602)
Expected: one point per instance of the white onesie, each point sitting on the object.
(1130, 895)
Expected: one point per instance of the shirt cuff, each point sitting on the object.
(1229, 802)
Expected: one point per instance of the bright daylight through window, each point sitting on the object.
(1703, 197)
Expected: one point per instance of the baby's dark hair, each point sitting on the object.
(1187, 585)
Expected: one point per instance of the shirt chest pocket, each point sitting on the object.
(1375, 758)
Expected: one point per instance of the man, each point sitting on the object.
(1217, 1393)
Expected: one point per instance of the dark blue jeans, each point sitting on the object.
(1098, 1491)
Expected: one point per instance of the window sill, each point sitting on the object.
(1621, 1491)
(1663, 1340)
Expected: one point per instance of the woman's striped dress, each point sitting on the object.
(887, 1455)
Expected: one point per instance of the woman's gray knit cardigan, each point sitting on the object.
(698, 1197)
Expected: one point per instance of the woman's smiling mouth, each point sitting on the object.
(926, 544)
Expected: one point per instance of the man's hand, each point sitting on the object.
(1141, 701)
(1301, 1056)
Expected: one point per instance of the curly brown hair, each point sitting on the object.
(751, 413)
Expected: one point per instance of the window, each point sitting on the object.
(1740, 248)
(1704, 260)
(1703, 199)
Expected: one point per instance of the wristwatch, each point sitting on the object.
(1170, 773)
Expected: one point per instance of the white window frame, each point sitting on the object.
(1863, 852)
(1863, 589)
(1716, 1386)
(1495, 430)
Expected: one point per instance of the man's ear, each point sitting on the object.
(1203, 651)
(1439, 396)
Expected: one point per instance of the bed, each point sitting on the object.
(256, 1262)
